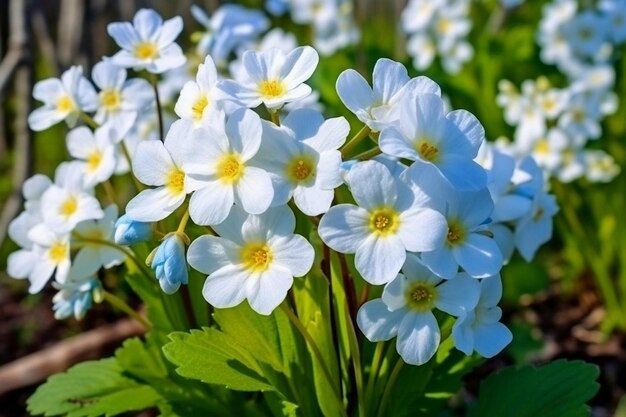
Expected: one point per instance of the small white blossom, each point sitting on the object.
(255, 258)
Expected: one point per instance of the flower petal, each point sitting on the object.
(379, 259)
(418, 338)
(376, 321)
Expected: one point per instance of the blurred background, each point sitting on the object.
(569, 302)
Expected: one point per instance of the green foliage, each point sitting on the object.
(92, 388)
(558, 389)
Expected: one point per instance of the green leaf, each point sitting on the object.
(558, 389)
(211, 356)
(89, 389)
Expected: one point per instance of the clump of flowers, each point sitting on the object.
(250, 188)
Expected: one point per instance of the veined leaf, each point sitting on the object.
(558, 389)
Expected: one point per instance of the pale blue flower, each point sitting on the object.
(75, 298)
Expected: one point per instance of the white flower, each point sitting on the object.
(120, 100)
(255, 258)
(198, 100)
(586, 32)
(467, 242)
(230, 26)
(303, 159)
(448, 142)
(92, 254)
(480, 329)
(535, 229)
(63, 99)
(160, 164)
(221, 169)
(68, 202)
(379, 106)
(600, 166)
(547, 150)
(391, 219)
(20, 263)
(148, 43)
(405, 310)
(52, 257)
(96, 152)
(273, 78)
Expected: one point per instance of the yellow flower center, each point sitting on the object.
(444, 26)
(69, 207)
(427, 150)
(272, 88)
(384, 221)
(93, 161)
(197, 110)
(456, 233)
(110, 99)
(175, 181)
(256, 257)
(65, 104)
(146, 50)
(542, 147)
(230, 168)
(58, 252)
(421, 297)
(300, 168)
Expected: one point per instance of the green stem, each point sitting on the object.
(364, 156)
(373, 373)
(274, 114)
(356, 139)
(388, 388)
(183, 223)
(316, 351)
(88, 120)
(120, 304)
(155, 86)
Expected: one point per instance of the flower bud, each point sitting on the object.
(76, 298)
(129, 232)
(169, 263)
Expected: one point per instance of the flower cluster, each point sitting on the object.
(432, 212)
(438, 28)
(554, 125)
(575, 38)
(332, 21)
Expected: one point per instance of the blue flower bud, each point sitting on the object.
(169, 263)
(76, 298)
(129, 232)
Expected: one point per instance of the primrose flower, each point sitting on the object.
(303, 159)
(168, 262)
(405, 309)
(75, 298)
(120, 100)
(67, 202)
(20, 263)
(467, 242)
(379, 106)
(95, 152)
(53, 257)
(534, 229)
(63, 99)
(391, 219)
(148, 43)
(427, 135)
(255, 258)
(221, 169)
(230, 26)
(160, 164)
(93, 254)
(479, 329)
(272, 78)
(198, 101)
(129, 232)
